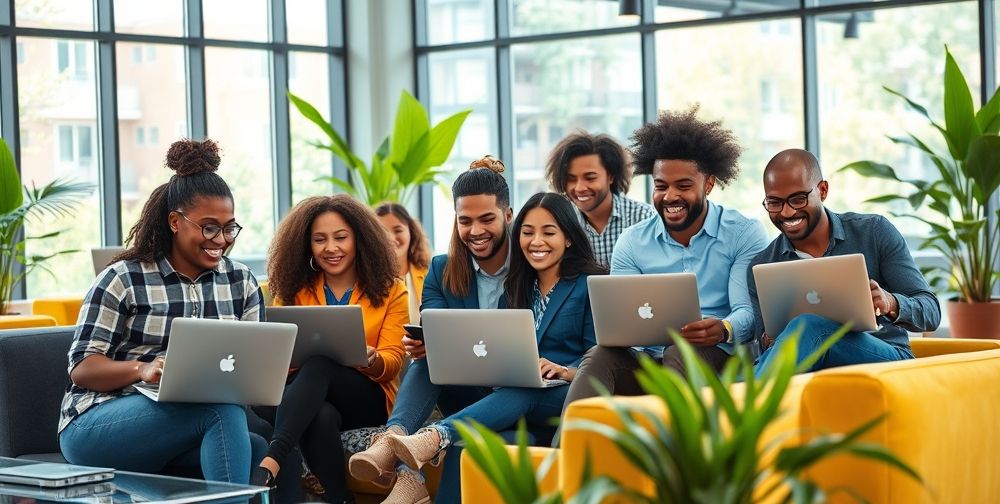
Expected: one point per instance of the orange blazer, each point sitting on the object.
(383, 327)
(418, 275)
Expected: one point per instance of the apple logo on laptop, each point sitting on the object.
(646, 312)
(812, 297)
(227, 365)
(479, 349)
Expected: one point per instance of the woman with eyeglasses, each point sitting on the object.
(332, 250)
(173, 267)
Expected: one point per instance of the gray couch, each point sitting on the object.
(32, 381)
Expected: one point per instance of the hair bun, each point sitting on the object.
(490, 163)
(188, 157)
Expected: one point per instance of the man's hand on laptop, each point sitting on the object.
(883, 301)
(705, 332)
(552, 371)
(150, 372)
(414, 348)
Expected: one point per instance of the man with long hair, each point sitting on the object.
(470, 275)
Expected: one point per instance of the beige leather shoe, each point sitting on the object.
(377, 464)
(408, 490)
(418, 449)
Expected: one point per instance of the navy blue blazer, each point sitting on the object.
(566, 331)
(435, 295)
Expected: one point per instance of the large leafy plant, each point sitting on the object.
(969, 178)
(19, 204)
(404, 161)
(709, 451)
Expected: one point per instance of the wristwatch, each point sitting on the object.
(727, 331)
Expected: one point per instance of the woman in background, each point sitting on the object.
(413, 254)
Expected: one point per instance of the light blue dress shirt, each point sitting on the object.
(489, 287)
(719, 254)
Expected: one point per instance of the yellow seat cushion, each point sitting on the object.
(476, 488)
(26, 321)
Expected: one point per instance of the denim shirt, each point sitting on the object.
(888, 261)
(719, 255)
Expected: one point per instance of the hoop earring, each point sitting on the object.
(312, 265)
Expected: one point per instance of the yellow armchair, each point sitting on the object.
(65, 310)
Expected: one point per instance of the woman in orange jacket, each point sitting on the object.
(413, 254)
(331, 250)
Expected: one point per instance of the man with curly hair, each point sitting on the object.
(687, 158)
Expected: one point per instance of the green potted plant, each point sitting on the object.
(960, 198)
(402, 163)
(711, 449)
(19, 204)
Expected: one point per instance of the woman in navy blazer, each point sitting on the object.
(548, 276)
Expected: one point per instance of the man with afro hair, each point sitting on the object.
(687, 158)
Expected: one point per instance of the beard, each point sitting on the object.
(498, 243)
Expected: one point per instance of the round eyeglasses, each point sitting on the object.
(210, 231)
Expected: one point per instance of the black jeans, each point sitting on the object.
(322, 400)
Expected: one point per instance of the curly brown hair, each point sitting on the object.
(288, 269)
(580, 143)
(419, 253)
(194, 164)
(682, 136)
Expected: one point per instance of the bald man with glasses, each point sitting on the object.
(901, 298)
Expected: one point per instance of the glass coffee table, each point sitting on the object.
(129, 487)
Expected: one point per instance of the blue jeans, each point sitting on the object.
(854, 348)
(133, 433)
(505, 406)
(417, 396)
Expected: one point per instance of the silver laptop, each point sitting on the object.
(834, 287)
(337, 332)
(494, 348)
(638, 310)
(102, 257)
(224, 361)
(53, 475)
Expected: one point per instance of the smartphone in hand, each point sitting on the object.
(414, 331)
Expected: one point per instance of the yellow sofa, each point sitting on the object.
(941, 409)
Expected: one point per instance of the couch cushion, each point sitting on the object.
(32, 381)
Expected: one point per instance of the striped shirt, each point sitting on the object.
(624, 213)
(127, 313)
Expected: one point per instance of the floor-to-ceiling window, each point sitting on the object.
(97, 90)
(780, 74)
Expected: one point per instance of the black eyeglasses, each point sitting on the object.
(797, 201)
(210, 231)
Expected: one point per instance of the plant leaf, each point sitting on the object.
(959, 113)
(983, 166)
(871, 169)
(11, 193)
(442, 138)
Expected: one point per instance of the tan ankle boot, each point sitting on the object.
(408, 490)
(418, 449)
(377, 464)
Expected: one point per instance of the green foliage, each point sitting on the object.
(710, 450)
(969, 177)
(404, 161)
(20, 204)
